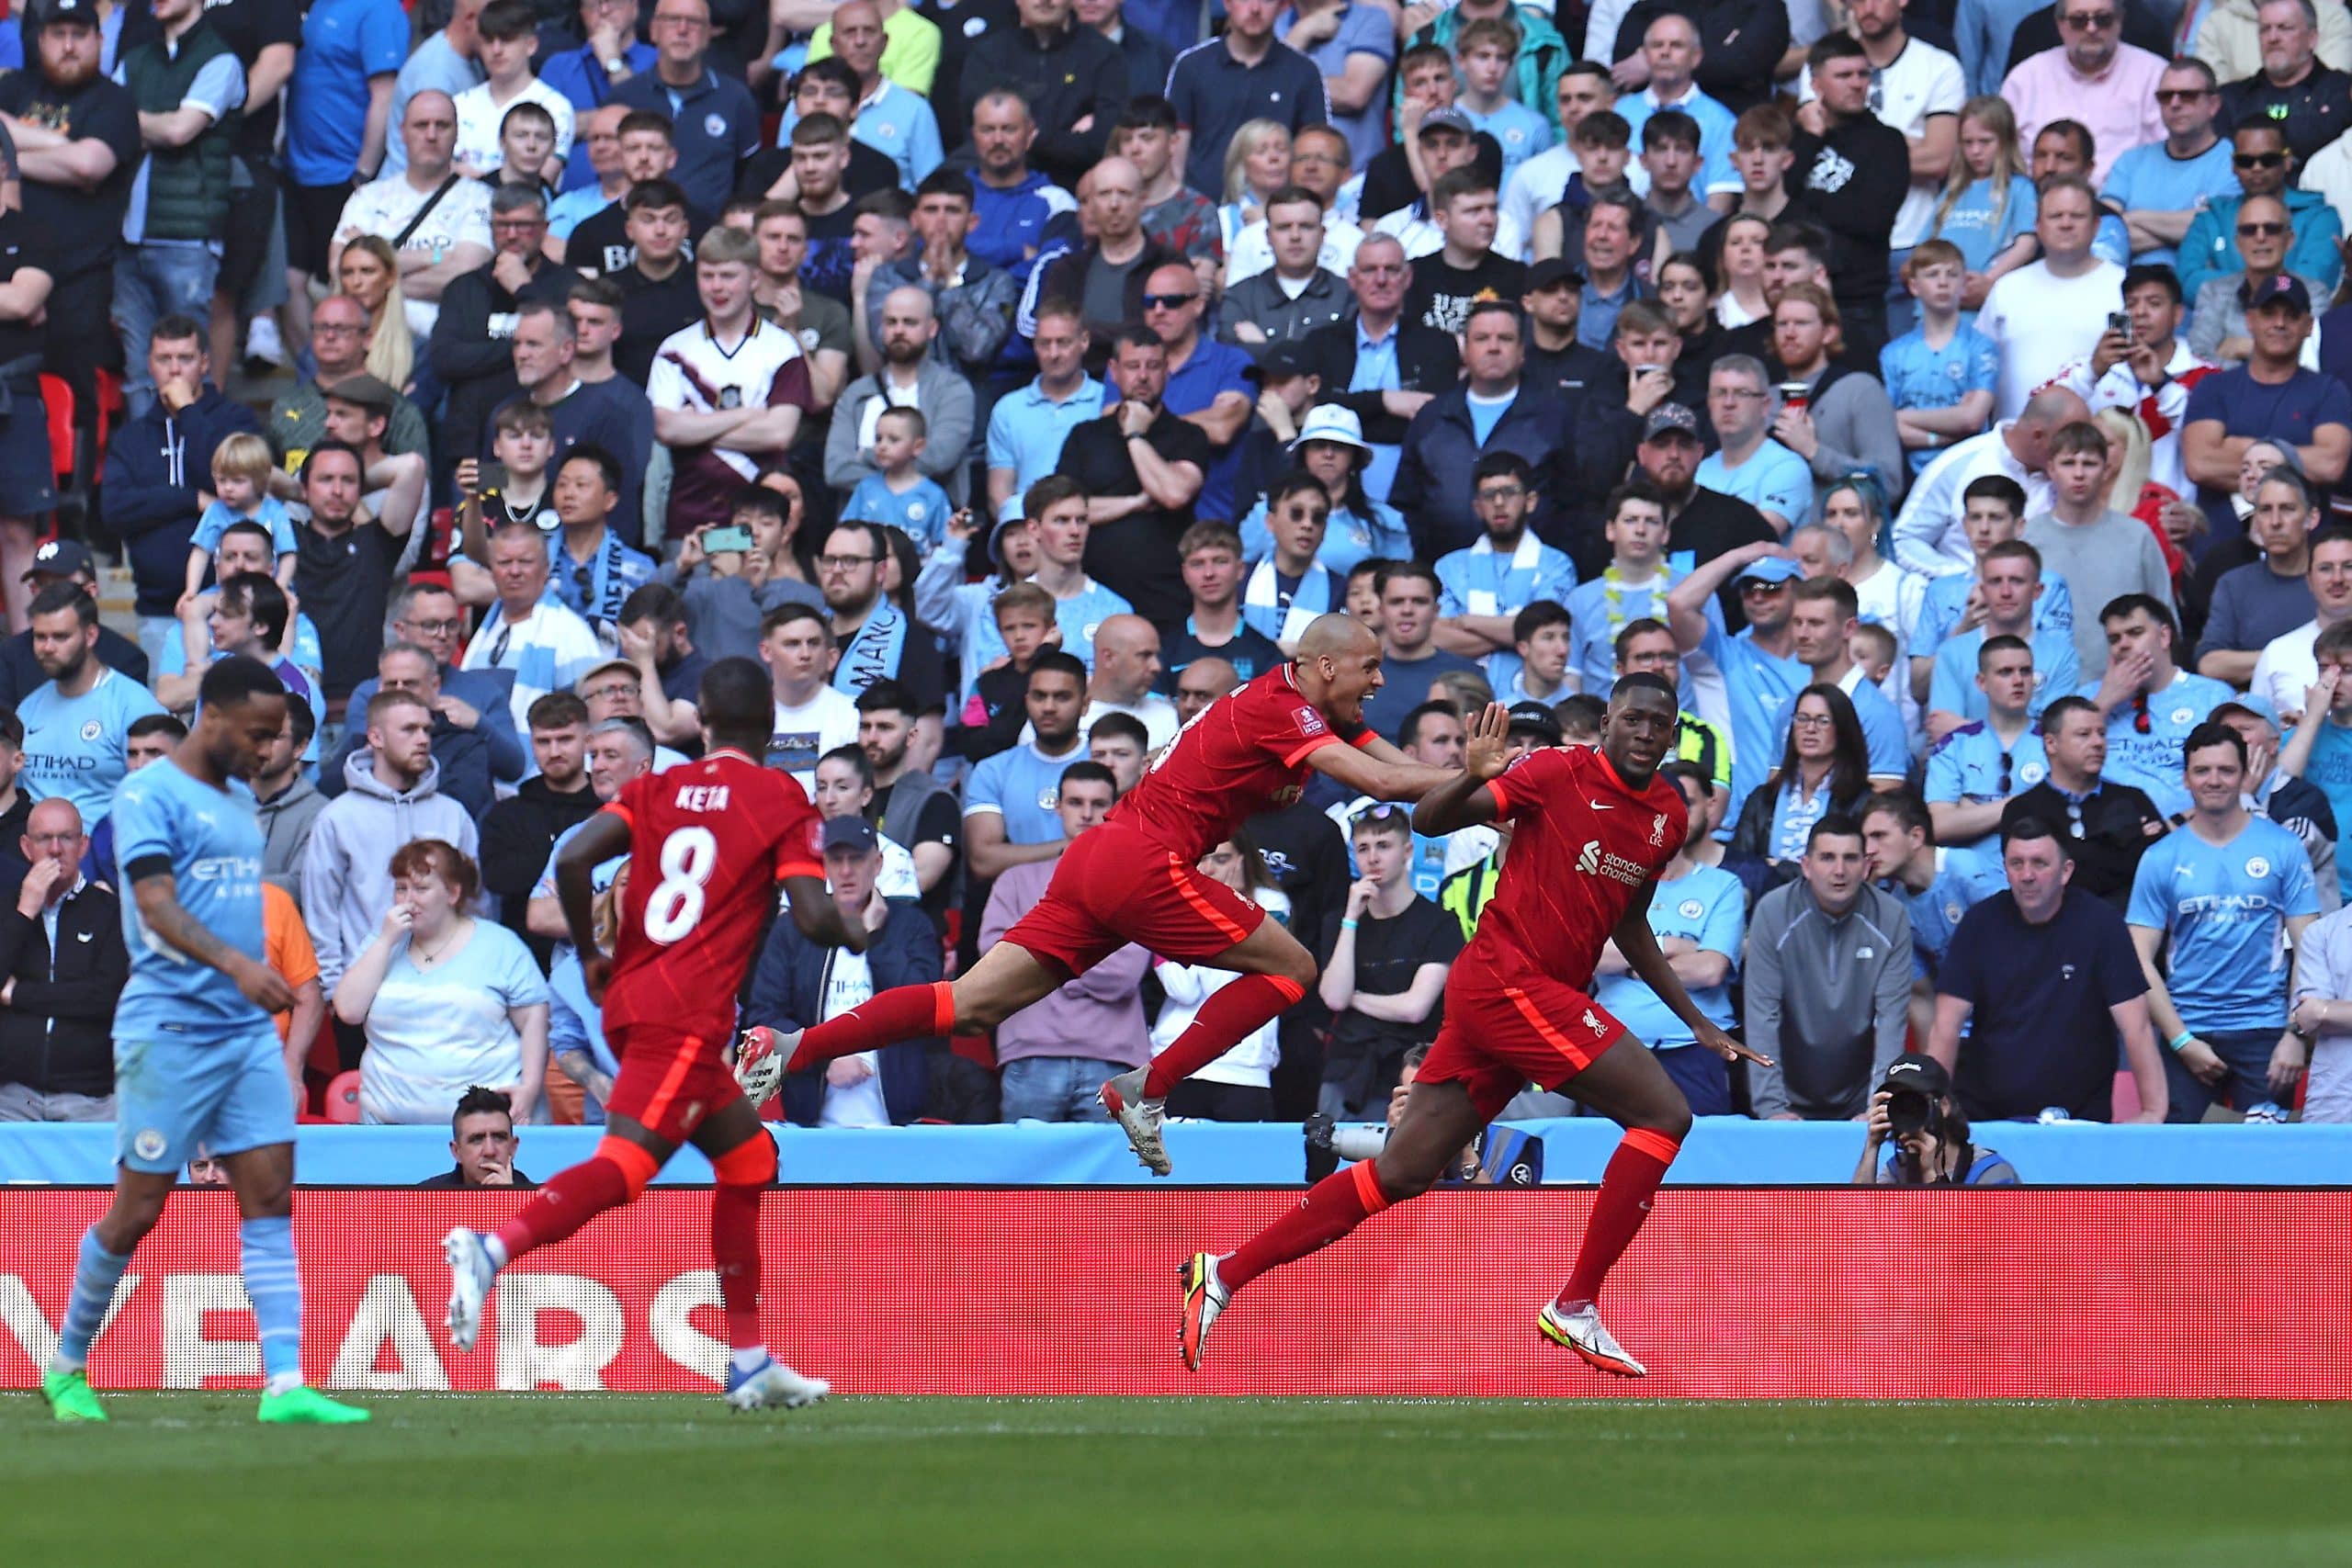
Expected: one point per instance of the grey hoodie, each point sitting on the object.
(286, 832)
(1829, 998)
(347, 869)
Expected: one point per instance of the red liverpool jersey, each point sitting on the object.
(708, 841)
(1582, 843)
(1242, 754)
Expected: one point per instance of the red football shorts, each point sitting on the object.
(670, 1084)
(1503, 1033)
(1116, 886)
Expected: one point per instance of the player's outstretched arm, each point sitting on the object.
(820, 919)
(1365, 771)
(160, 913)
(1649, 961)
(1463, 800)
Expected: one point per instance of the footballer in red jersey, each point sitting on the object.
(1137, 879)
(708, 842)
(1590, 830)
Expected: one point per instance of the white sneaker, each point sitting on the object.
(772, 1385)
(263, 343)
(472, 1273)
(1140, 1118)
(1582, 1332)
(760, 1060)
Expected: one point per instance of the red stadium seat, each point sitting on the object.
(111, 407)
(343, 1099)
(57, 397)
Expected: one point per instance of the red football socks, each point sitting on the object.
(1332, 1207)
(1226, 1020)
(735, 1248)
(1626, 1188)
(908, 1012)
(569, 1200)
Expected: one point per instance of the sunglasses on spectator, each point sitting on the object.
(2178, 95)
(2257, 160)
(2092, 21)
(1168, 301)
(2260, 231)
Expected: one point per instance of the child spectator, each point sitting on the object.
(992, 719)
(522, 443)
(900, 496)
(241, 470)
(1581, 717)
(1941, 376)
(1603, 144)
(1872, 647)
(1671, 154)
(1485, 50)
(508, 30)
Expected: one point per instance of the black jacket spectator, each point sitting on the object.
(2313, 112)
(57, 1030)
(1388, 178)
(1427, 361)
(155, 465)
(1853, 183)
(1744, 41)
(1135, 557)
(789, 992)
(472, 350)
(2117, 824)
(1065, 284)
(1076, 73)
(1432, 484)
(517, 836)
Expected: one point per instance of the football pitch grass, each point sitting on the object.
(578, 1480)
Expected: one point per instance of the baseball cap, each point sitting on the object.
(1670, 419)
(598, 669)
(1447, 118)
(1771, 569)
(1536, 718)
(1916, 1072)
(367, 391)
(848, 833)
(61, 557)
(2282, 290)
(86, 12)
(2253, 705)
(1551, 272)
(1283, 362)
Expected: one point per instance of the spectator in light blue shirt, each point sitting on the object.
(2219, 901)
(1749, 464)
(1027, 427)
(77, 723)
(2151, 704)
(1353, 46)
(1482, 588)
(1977, 766)
(1757, 667)
(1823, 614)
(1944, 374)
(2161, 185)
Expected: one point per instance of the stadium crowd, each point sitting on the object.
(1950, 399)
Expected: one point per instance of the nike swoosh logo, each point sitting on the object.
(1598, 806)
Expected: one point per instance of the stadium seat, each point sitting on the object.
(57, 398)
(343, 1099)
(111, 407)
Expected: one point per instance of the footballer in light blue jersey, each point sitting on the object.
(198, 1064)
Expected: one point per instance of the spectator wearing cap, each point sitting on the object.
(1557, 359)
(60, 560)
(1330, 446)
(2219, 330)
(188, 86)
(1700, 522)
(1493, 409)
(1759, 667)
(797, 984)
(1297, 298)
(1445, 139)
(1287, 388)
(1939, 1151)
(158, 471)
(482, 1142)
(297, 418)
(2270, 396)
(1381, 366)
(76, 134)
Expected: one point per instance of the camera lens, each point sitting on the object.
(1907, 1112)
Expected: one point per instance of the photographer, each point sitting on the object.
(1913, 1110)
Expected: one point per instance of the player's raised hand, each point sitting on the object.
(1486, 750)
(1730, 1050)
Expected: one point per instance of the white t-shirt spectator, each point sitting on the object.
(479, 116)
(1251, 1061)
(807, 731)
(849, 983)
(2043, 323)
(385, 207)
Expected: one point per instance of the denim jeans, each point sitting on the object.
(1055, 1089)
(2247, 1050)
(150, 283)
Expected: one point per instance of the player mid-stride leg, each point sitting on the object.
(742, 1159)
(1439, 1118)
(263, 1178)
